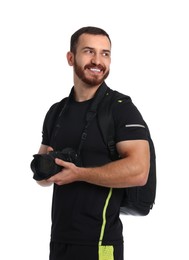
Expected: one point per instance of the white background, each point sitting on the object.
(150, 62)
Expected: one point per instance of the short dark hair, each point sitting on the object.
(89, 30)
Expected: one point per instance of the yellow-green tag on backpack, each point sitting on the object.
(106, 252)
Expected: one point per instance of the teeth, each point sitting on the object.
(94, 69)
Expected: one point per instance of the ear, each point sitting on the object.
(70, 58)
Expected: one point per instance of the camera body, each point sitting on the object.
(44, 166)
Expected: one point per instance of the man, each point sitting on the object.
(86, 200)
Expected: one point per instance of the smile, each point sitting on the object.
(95, 70)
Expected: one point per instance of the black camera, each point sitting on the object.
(44, 166)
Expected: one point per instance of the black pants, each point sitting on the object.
(60, 251)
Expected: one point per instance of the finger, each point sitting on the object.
(55, 179)
(51, 179)
(49, 149)
(61, 162)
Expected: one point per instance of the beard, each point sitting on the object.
(93, 80)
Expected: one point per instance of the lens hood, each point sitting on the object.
(44, 166)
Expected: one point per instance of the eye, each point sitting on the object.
(106, 54)
(89, 51)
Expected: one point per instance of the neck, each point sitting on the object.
(83, 92)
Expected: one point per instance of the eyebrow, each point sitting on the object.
(90, 48)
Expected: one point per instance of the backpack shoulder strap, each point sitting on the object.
(106, 121)
(52, 117)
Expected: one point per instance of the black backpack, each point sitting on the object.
(136, 200)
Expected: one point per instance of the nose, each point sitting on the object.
(96, 59)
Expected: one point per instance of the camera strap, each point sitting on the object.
(92, 112)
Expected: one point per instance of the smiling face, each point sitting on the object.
(92, 59)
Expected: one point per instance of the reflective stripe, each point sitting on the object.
(105, 252)
(104, 216)
(135, 125)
